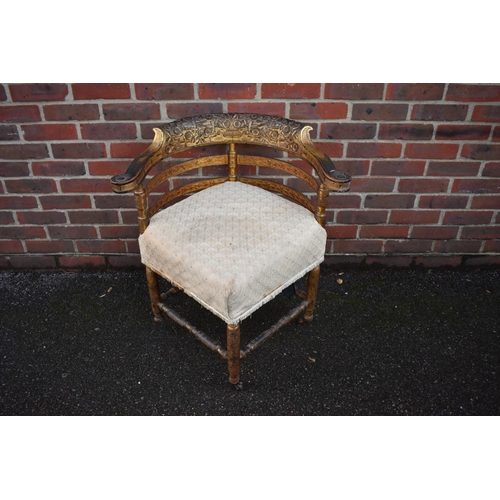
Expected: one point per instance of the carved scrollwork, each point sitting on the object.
(258, 129)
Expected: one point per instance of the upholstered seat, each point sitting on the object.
(233, 247)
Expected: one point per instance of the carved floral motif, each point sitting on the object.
(219, 128)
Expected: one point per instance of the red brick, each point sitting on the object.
(439, 112)
(362, 217)
(129, 216)
(23, 151)
(30, 185)
(484, 113)
(72, 232)
(479, 186)
(453, 168)
(49, 246)
(101, 246)
(348, 130)
(337, 231)
(390, 201)
(6, 218)
(457, 246)
(373, 150)
(33, 262)
(82, 261)
(434, 232)
(332, 149)
(318, 111)
(344, 200)
(462, 132)
(463, 217)
(437, 261)
(406, 131)
(127, 149)
(358, 246)
(47, 132)
(164, 91)
(227, 90)
(353, 167)
(376, 111)
(398, 168)
(121, 231)
(443, 201)
(108, 168)
(43, 217)
(408, 246)
(23, 232)
(415, 91)
(114, 201)
(19, 114)
(11, 246)
(12, 202)
(132, 246)
(481, 151)
(91, 185)
(131, 111)
(8, 133)
(464, 92)
(414, 217)
(94, 217)
(64, 201)
(3, 95)
(103, 131)
(31, 92)
(491, 169)
(354, 91)
(58, 168)
(290, 90)
(431, 150)
(384, 231)
(100, 91)
(125, 261)
(492, 246)
(79, 150)
(14, 169)
(496, 134)
(65, 112)
(182, 110)
(370, 185)
(423, 185)
(491, 201)
(489, 232)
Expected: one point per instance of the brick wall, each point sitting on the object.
(425, 161)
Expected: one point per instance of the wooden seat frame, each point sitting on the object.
(232, 129)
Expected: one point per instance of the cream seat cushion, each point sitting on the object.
(233, 247)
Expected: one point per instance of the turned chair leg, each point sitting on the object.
(154, 293)
(312, 292)
(233, 353)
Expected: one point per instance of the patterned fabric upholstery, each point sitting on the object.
(233, 247)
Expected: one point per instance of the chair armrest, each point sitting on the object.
(332, 178)
(140, 166)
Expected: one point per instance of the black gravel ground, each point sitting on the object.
(383, 342)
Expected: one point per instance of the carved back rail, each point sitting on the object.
(231, 129)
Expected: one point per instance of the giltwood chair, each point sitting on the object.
(239, 240)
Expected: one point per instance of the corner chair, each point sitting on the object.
(236, 241)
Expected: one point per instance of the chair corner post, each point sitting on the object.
(233, 353)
